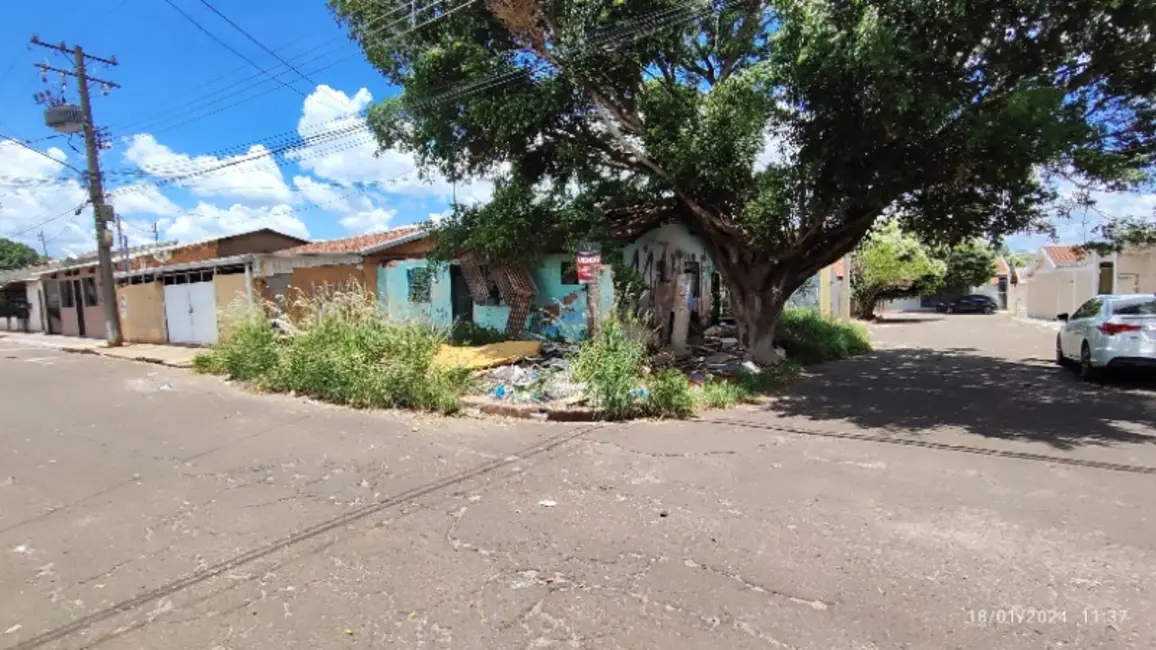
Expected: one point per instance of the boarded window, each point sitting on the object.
(569, 272)
(88, 286)
(419, 285)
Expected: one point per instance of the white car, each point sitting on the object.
(1109, 332)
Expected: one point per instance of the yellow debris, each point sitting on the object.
(487, 356)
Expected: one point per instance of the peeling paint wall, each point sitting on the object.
(660, 256)
(393, 279)
(559, 309)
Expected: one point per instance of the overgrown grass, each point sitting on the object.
(610, 363)
(469, 333)
(341, 352)
(669, 395)
(747, 387)
(809, 337)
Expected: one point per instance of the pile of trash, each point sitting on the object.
(544, 379)
(716, 352)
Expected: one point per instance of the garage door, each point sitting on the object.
(191, 313)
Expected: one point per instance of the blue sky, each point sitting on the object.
(184, 98)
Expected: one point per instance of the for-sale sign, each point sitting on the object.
(589, 259)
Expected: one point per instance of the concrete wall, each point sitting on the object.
(559, 309)
(142, 312)
(35, 307)
(669, 248)
(1047, 294)
(262, 241)
(393, 293)
(1136, 271)
(93, 310)
(229, 289)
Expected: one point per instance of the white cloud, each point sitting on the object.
(35, 196)
(375, 220)
(207, 220)
(143, 199)
(353, 158)
(324, 195)
(257, 179)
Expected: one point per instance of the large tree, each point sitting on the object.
(15, 255)
(890, 264)
(780, 130)
(970, 264)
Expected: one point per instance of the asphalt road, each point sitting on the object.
(952, 490)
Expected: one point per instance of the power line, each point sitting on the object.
(257, 42)
(151, 125)
(40, 153)
(207, 101)
(230, 47)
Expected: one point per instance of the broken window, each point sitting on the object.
(89, 287)
(569, 272)
(66, 294)
(419, 285)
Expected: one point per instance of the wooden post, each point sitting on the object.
(592, 307)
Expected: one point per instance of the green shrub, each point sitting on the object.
(467, 333)
(720, 394)
(669, 395)
(809, 337)
(747, 386)
(610, 363)
(343, 352)
(248, 348)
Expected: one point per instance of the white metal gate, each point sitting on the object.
(191, 313)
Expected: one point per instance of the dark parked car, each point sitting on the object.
(976, 304)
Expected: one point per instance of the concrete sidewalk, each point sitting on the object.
(168, 355)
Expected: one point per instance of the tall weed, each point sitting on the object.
(610, 363)
(809, 337)
(342, 351)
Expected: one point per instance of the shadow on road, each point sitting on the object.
(918, 389)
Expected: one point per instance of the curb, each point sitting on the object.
(528, 412)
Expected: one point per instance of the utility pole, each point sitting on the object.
(122, 242)
(102, 212)
(43, 243)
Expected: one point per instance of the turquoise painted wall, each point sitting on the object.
(559, 309)
(393, 293)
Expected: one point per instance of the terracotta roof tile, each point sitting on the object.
(352, 245)
(1001, 266)
(1065, 255)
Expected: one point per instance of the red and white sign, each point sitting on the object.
(589, 259)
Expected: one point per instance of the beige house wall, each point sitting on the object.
(229, 288)
(1136, 271)
(1048, 294)
(142, 312)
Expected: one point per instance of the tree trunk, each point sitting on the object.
(758, 292)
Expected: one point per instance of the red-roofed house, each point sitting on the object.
(1063, 277)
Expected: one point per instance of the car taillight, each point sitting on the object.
(1117, 328)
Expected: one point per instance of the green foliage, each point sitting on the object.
(610, 364)
(809, 337)
(468, 333)
(342, 352)
(891, 264)
(669, 395)
(15, 255)
(780, 130)
(747, 387)
(1123, 232)
(970, 264)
